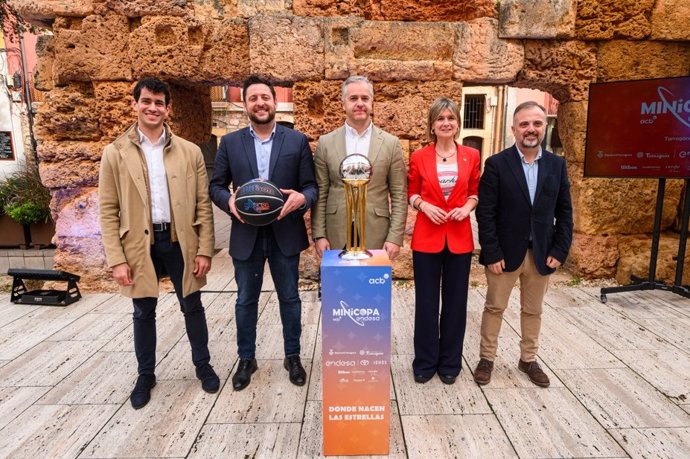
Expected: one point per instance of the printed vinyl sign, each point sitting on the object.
(639, 129)
(356, 347)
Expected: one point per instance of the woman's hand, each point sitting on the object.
(459, 213)
(433, 213)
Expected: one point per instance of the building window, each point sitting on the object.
(474, 112)
(474, 142)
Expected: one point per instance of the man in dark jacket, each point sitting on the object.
(272, 152)
(525, 230)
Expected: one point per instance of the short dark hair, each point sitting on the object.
(526, 105)
(154, 85)
(256, 79)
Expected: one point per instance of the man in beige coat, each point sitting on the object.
(156, 219)
(386, 209)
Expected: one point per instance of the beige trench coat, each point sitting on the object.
(125, 209)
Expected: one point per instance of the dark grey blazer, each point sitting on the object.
(291, 167)
(506, 218)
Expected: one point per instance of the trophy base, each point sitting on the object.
(355, 255)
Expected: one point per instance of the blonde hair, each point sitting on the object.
(438, 106)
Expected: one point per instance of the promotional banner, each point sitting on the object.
(639, 129)
(356, 345)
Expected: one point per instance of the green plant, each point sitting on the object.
(23, 196)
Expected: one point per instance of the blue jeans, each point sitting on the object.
(249, 276)
(167, 258)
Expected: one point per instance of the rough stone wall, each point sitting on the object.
(413, 50)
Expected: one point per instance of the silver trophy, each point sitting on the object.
(355, 172)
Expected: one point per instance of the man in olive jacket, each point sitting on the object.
(156, 219)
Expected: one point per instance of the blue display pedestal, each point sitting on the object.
(356, 344)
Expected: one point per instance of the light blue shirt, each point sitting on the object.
(531, 173)
(263, 151)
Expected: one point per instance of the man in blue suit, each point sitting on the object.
(272, 152)
(525, 219)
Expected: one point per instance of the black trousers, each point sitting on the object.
(438, 340)
(167, 258)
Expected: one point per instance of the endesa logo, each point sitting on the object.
(357, 315)
(379, 280)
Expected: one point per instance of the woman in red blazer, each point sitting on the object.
(442, 185)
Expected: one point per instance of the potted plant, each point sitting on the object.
(26, 200)
(13, 234)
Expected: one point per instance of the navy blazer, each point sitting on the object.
(291, 167)
(507, 218)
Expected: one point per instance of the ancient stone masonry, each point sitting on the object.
(413, 50)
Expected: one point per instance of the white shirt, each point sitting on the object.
(356, 143)
(158, 179)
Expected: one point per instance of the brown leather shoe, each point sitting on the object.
(534, 372)
(482, 374)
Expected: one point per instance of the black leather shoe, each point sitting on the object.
(209, 379)
(142, 391)
(298, 376)
(243, 375)
(446, 379)
(421, 379)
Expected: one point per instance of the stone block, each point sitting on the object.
(318, 107)
(431, 10)
(16, 262)
(191, 103)
(226, 52)
(330, 8)
(619, 206)
(338, 52)
(44, 79)
(392, 51)
(564, 69)
(572, 129)
(249, 8)
(403, 41)
(537, 19)
(634, 258)
(481, 57)
(593, 257)
(139, 8)
(604, 20)
(68, 113)
(95, 51)
(273, 38)
(85, 257)
(115, 112)
(173, 47)
(215, 9)
(72, 172)
(43, 12)
(670, 20)
(79, 215)
(401, 107)
(626, 60)
(34, 263)
(50, 151)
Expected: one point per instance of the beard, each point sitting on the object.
(256, 120)
(531, 143)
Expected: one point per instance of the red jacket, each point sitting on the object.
(422, 179)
